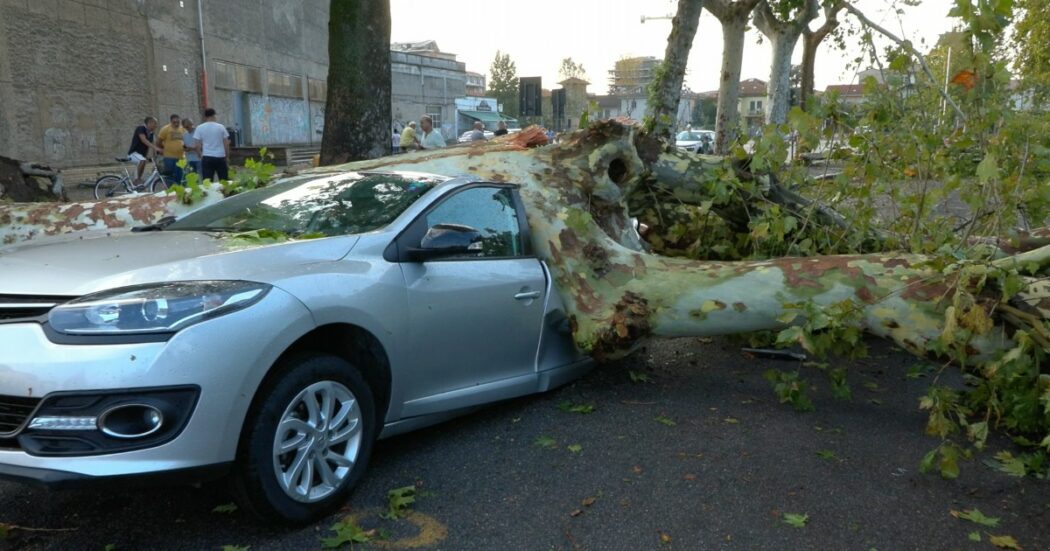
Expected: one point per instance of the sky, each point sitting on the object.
(538, 34)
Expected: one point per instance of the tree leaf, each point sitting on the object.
(545, 442)
(666, 421)
(796, 520)
(225, 508)
(1004, 542)
(974, 536)
(575, 448)
(976, 516)
(236, 547)
(988, 168)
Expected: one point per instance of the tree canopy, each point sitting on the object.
(503, 82)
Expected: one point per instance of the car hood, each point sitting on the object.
(78, 264)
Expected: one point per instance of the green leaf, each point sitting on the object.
(575, 448)
(638, 377)
(926, 465)
(398, 500)
(570, 407)
(974, 536)
(976, 516)
(1005, 462)
(796, 520)
(545, 442)
(236, 547)
(227, 508)
(988, 168)
(1004, 542)
(667, 421)
(346, 531)
(827, 455)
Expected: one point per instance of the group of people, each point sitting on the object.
(205, 148)
(430, 138)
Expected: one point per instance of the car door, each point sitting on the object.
(474, 318)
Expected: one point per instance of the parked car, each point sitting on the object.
(466, 136)
(214, 346)
(696, 141)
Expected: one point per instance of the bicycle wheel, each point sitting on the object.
(110, 186)
(160, 183)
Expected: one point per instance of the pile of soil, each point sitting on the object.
(27, 182)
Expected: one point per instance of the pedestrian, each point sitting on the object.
(142, 146)
(408, 138)
(212, 141)
(431, 139)
(170, 140)
(501, 129)
(478, 135)
(193, 158)
(397, 142)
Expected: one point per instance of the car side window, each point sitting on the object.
(488, 210)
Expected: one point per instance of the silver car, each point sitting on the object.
(273, 336)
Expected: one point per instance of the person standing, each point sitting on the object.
(193, 158)
(501, 129)
(408, 138)
(212, 141)
(396, 142)
(478, 135)
(142, 146)
(170, 140)
(431, 138)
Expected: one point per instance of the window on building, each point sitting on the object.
(318, 89)
(434, 111)
(283, 84)
(234, 76)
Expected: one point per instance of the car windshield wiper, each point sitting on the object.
(156, 226)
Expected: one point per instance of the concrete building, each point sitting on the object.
(753, 104)
(77, 76)
(848, 94)
(475, 84)
(426, 81)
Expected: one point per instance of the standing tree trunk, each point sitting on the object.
(665, 92)
(357, 110)
(810, 42)
(733, 16)
(784, 35)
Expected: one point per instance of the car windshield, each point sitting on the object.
(338, 205)
(688, 136)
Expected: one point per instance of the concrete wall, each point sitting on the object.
(76, 77)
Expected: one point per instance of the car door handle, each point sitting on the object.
(528, 295)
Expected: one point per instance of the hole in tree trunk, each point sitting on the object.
(617, 171)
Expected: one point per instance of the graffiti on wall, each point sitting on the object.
(317, 120)
(278, 120)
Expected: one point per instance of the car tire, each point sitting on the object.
(291, 487)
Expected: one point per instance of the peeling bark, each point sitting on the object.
(733, 16)
(784, 35)
(666, 90)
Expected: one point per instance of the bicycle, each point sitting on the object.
(115, 185)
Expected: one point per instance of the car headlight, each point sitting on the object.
(154, 308)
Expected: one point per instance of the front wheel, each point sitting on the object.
(161, 183)
(307, 440)
(110, 186)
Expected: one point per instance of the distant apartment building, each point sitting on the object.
(426, 81)
(475, 84)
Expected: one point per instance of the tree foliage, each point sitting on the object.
(1032, 45)
(503, 82)
(570, 69)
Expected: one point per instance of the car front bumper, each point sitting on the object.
(225, 359)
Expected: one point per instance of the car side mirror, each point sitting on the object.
(447, 240)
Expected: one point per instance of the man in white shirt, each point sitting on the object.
(431, 138)
(212, 141)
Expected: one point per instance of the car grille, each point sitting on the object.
(13, 413)
(13, 307)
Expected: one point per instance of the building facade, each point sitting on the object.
(77, 76)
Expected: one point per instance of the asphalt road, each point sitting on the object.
(700, 457)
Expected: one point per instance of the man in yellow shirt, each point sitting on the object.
(408, 138)
(170, 140)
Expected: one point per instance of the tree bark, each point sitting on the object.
(733, 16)
(811, 40)
(665, 92)
(784, 35)
(357, 111)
